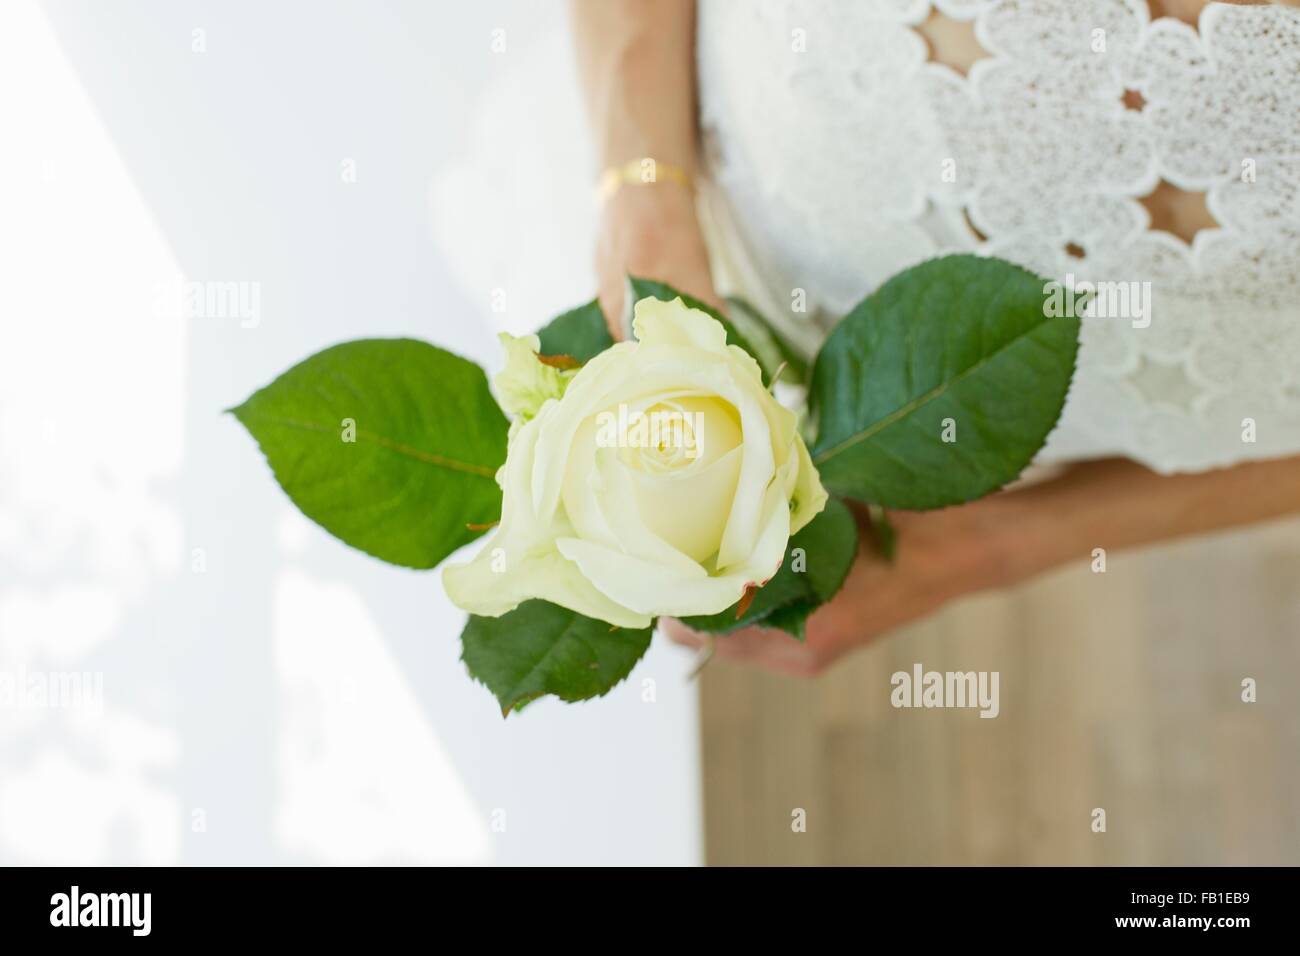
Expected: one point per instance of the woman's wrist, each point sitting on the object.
(651, 232)
(649, 216)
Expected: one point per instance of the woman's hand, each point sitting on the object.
(650, 231)
(941, 555)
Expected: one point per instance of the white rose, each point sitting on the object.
(664, 481)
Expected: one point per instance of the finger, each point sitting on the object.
(775, 650)
(679, 633)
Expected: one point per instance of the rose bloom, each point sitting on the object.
(661, 478)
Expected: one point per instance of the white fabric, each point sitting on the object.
(826, 130)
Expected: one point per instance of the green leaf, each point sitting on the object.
(959, 338)
(817, 560)
(541, 648)
(427, 441)
(755, 340)
(882, 532)
(756, 326)
(580, 333)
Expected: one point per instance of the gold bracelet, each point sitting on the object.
(644, 171)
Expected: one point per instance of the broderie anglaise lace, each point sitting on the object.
(842, 155)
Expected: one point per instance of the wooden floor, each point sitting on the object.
(1119, 690)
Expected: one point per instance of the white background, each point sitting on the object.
(269, 695)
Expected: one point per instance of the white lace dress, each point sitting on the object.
(839, 155)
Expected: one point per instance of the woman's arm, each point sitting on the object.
(1007, 538)
(1116, 504)
(637, 63)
